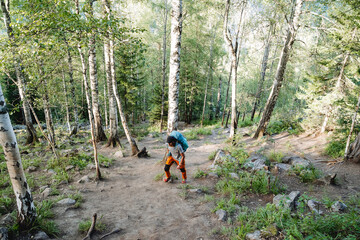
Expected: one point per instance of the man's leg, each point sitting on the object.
(169, 162)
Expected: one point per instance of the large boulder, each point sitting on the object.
(256, 162)
(299, 162)
(4, 233)
(220, 158)
(286, 201)
(283, 167)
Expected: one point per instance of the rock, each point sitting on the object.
(286, 201)
(300, 162)
(4, 233)
(69, 152)
(91, 166)
(31, 169)
(338, 207)
(41, 236)
(270, 231)
(234, 175)
(51, 171)
(222, 215)
(195, 190)
(7, 220)
(46, 193)
(283, 167)
(286, 159)
(254, 236)
(314, 206)
(42, 188)
(327, 180)
(68, 168)
(84, 179)
(119, 154)
(66, 202)
(221, 157)
(256, 162)
(213, 175)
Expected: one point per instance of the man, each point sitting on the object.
(174, 153)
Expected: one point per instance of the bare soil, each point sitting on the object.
(130, 199)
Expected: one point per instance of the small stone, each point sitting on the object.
(51, 171)
(327, 180)
(91, 166)
(314, 206)
(31, 169)
(119, 154)
(84, 179)
(286, 201)
(283, 167)
(222, 215)
(300, 162)
(46, 193)
(234, 175)
(68, 168)
(213, 175)
(4, 233)
(338, 207)
(41, 236)
(196, 190)
(254, 236)
(255, 162)
(286, 159)
(42, 188)
(66, 202)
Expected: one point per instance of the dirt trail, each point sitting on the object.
(129, 198)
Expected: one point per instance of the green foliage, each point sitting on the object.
(275, 156)
(200, 174)
(279, 126)
(42, 221)
(229, 206)
(159, 176)
(335, 148)
(308, 174)
(212, 155)
(196, 132)
(84, 226)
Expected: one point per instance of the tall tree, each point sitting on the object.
(99, 131)
(24, 200)
(174, 75)
(31, 132)
(284, 57)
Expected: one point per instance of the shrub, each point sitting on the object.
(335, 148)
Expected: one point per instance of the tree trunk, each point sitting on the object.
(24, 200)
(66, 103)
(354, 151)
(263, 72)
(99, 131)
(47, 111)
(31, 132)
(351, 129)
(218, 101)
(114, 138)
(227, 119)
(208, 77)
(89, 107)
(226, 98)
(72, 86)
(163, 69)
(279, 77)
(174, 75)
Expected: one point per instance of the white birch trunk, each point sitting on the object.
(24, 201)
(174, 75)
(66, 103)
(163, 69)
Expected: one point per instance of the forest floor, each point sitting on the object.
(133, 197)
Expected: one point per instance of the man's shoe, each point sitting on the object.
(169, 180)
(183, 181)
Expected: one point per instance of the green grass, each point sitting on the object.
(159, 176)
(212, 155)
(308, 174)
(84, 226)
(275, 156)
(292, 127)
(200, 174)
(195, 133)
(229, 205)
(335, 148)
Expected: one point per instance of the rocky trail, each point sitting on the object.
(130, 199)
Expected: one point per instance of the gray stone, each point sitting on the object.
(7, 220)
(119, 154)
(213, 175)
(51, 171)
(222, 215)
(84, 179)
(283, 167)
(91, 166)
(195, 190)
(4, 233)
(314, 206)
(256, 162)
(286, 159)
(254, 236)
(221, 157)
(41, 236)
(68, 168)
(286, 201)
(234, 175)
(327, 180)
(46, 193)
(31, 169)
(338, 207)
(66, 202)
(300, 162)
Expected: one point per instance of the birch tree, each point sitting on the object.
(284, 57)
(174, 75)
(24, 201)
(31, 132)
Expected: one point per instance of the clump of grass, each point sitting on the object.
(207, 198)
(335, 148)
(275, 156)
(308, 174)
(212, 155)
(84, 226)
(196, 132)
(228, 205)
(159, 177)
(43, 220)
(200, 174)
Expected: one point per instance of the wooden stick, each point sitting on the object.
(112, 232)
(92, 228)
